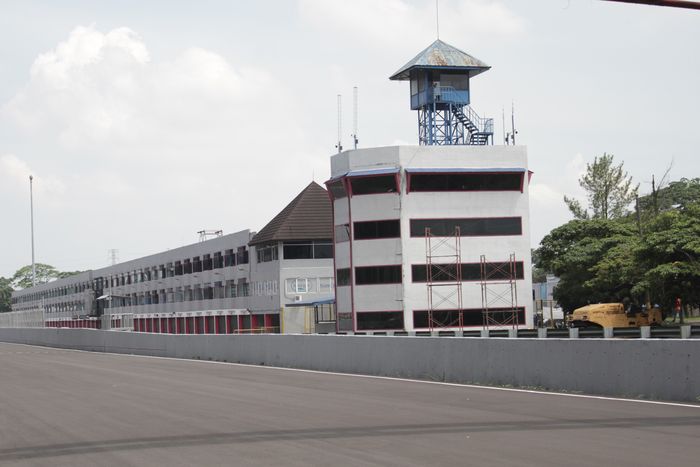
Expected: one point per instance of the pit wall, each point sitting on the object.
(666, 369)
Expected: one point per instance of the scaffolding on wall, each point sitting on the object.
(499, 293)
(443, 259)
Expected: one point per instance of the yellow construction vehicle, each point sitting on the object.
(613, 315)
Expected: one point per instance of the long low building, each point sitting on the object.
(249, 275)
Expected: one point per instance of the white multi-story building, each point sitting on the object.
(383, 201)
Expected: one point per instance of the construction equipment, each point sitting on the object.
(613, 315)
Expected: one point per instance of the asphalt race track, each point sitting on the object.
(69, 408)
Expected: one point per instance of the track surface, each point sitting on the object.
(67, 408)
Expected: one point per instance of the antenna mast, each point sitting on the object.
(512, 122)
(355, 139)
(437, 17)
(340, 124)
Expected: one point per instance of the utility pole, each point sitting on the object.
(31, 211)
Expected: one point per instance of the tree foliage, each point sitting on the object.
(608, 188)
(603, 260)
(5, 295)
(22, 279)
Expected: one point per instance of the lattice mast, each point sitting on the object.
(499, 293)
(443, 259)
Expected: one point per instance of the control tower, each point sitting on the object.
(439, 78)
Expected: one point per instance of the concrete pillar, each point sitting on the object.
(390, 333)
(645, 332)
(608, 333)
(573, 333)
(513, 333)
(459, 333)
(412, 333)
(435, 333)
(685, 331)
(484, 333)
(542, 333)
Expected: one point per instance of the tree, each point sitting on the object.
(44, 273)
(669, 257)
(609, 190)
(5, 295)
(574, 250)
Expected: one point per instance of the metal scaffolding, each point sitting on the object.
(499, 293)
(443, 259)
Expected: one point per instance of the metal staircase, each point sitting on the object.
(480, 129)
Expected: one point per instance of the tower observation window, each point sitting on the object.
(469, 227)
(469, 272)
(337, 189)
(369, 275)
(377, 229)
(373, 185)
(466, 182)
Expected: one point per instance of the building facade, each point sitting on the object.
(245, 275)
(463, 210)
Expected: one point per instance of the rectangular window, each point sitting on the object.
(342, 277)
(207, 263)
(229, 259)
(299, 285)
(178, 268)
(470, 317)
(337, 189)
(470, 227)
(342, 233)
(470, 272)
(266, 253)
(196, 264)
(325, 285)
(317, 249)
(218, 260)
(242, 255)
(367, 275)
(466, 181)
(376, 229)
(373, 185)
(380, 320)
(187, 266)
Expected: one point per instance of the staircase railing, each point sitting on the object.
(483, 125)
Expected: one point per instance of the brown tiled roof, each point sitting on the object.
(307, 217)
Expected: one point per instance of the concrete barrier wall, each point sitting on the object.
(666, 369)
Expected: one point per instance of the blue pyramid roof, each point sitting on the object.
(440, 55)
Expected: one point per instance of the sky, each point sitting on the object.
(145, 122)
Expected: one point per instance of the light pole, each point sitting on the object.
(31, 211)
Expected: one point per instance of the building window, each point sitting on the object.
(178, 268)
(470, 317)
(373, 185)
(325, 285)
(218, 260)
(376, 229)
(299, 285)
(342, 233)
(241, 255)
(368, 275)
(266, 253)
(466, 181)
(469, 272)
(207, 264)
(470, 227)
(337, 189)
(342, 277)
(380, 320)
(196, 264)
(317, 249)
(229, 259)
